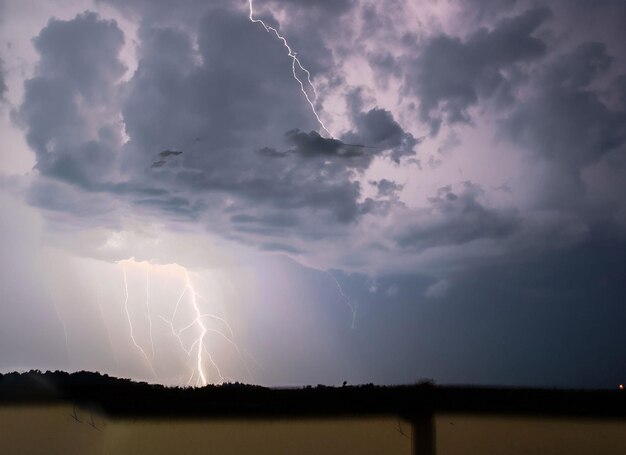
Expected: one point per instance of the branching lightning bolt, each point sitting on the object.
(294, 61)
(349, 302)
(130, 325)
(202, 355)
(203, 331)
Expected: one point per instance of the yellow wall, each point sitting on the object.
(53, 430)
(490, 435)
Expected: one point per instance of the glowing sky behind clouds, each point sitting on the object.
(465, 221)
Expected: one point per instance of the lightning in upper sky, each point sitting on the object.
(294, 62)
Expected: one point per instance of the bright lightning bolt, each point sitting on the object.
(202, 357)
(193, 337)
(203, 331)
(130, 325)
(294, 61)
(349, 302)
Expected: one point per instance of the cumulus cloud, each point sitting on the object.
(202, 109)
(67, 108)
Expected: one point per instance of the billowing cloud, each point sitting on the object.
(206, 110)
(69, 106)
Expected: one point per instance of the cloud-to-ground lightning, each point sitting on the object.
(130, 325)
(347, 299)
(188, 317)
(198, 348)
(203, 330)
(294, 62)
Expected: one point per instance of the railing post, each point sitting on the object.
(424, 434)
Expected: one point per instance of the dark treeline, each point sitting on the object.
(123, 397)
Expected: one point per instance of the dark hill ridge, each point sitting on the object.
(125, 398)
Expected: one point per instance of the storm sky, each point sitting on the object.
(298, 192)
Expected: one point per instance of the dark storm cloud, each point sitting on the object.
(456, 219)
(553, 320)
(234, 91)
(227, 84)
(376, 134)
(566, 122)
(311, 145)
(223, 94)
(237, 93)
(451, 75)
(74, 78)
(377, 128)
(89, 67)
(168, 153)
